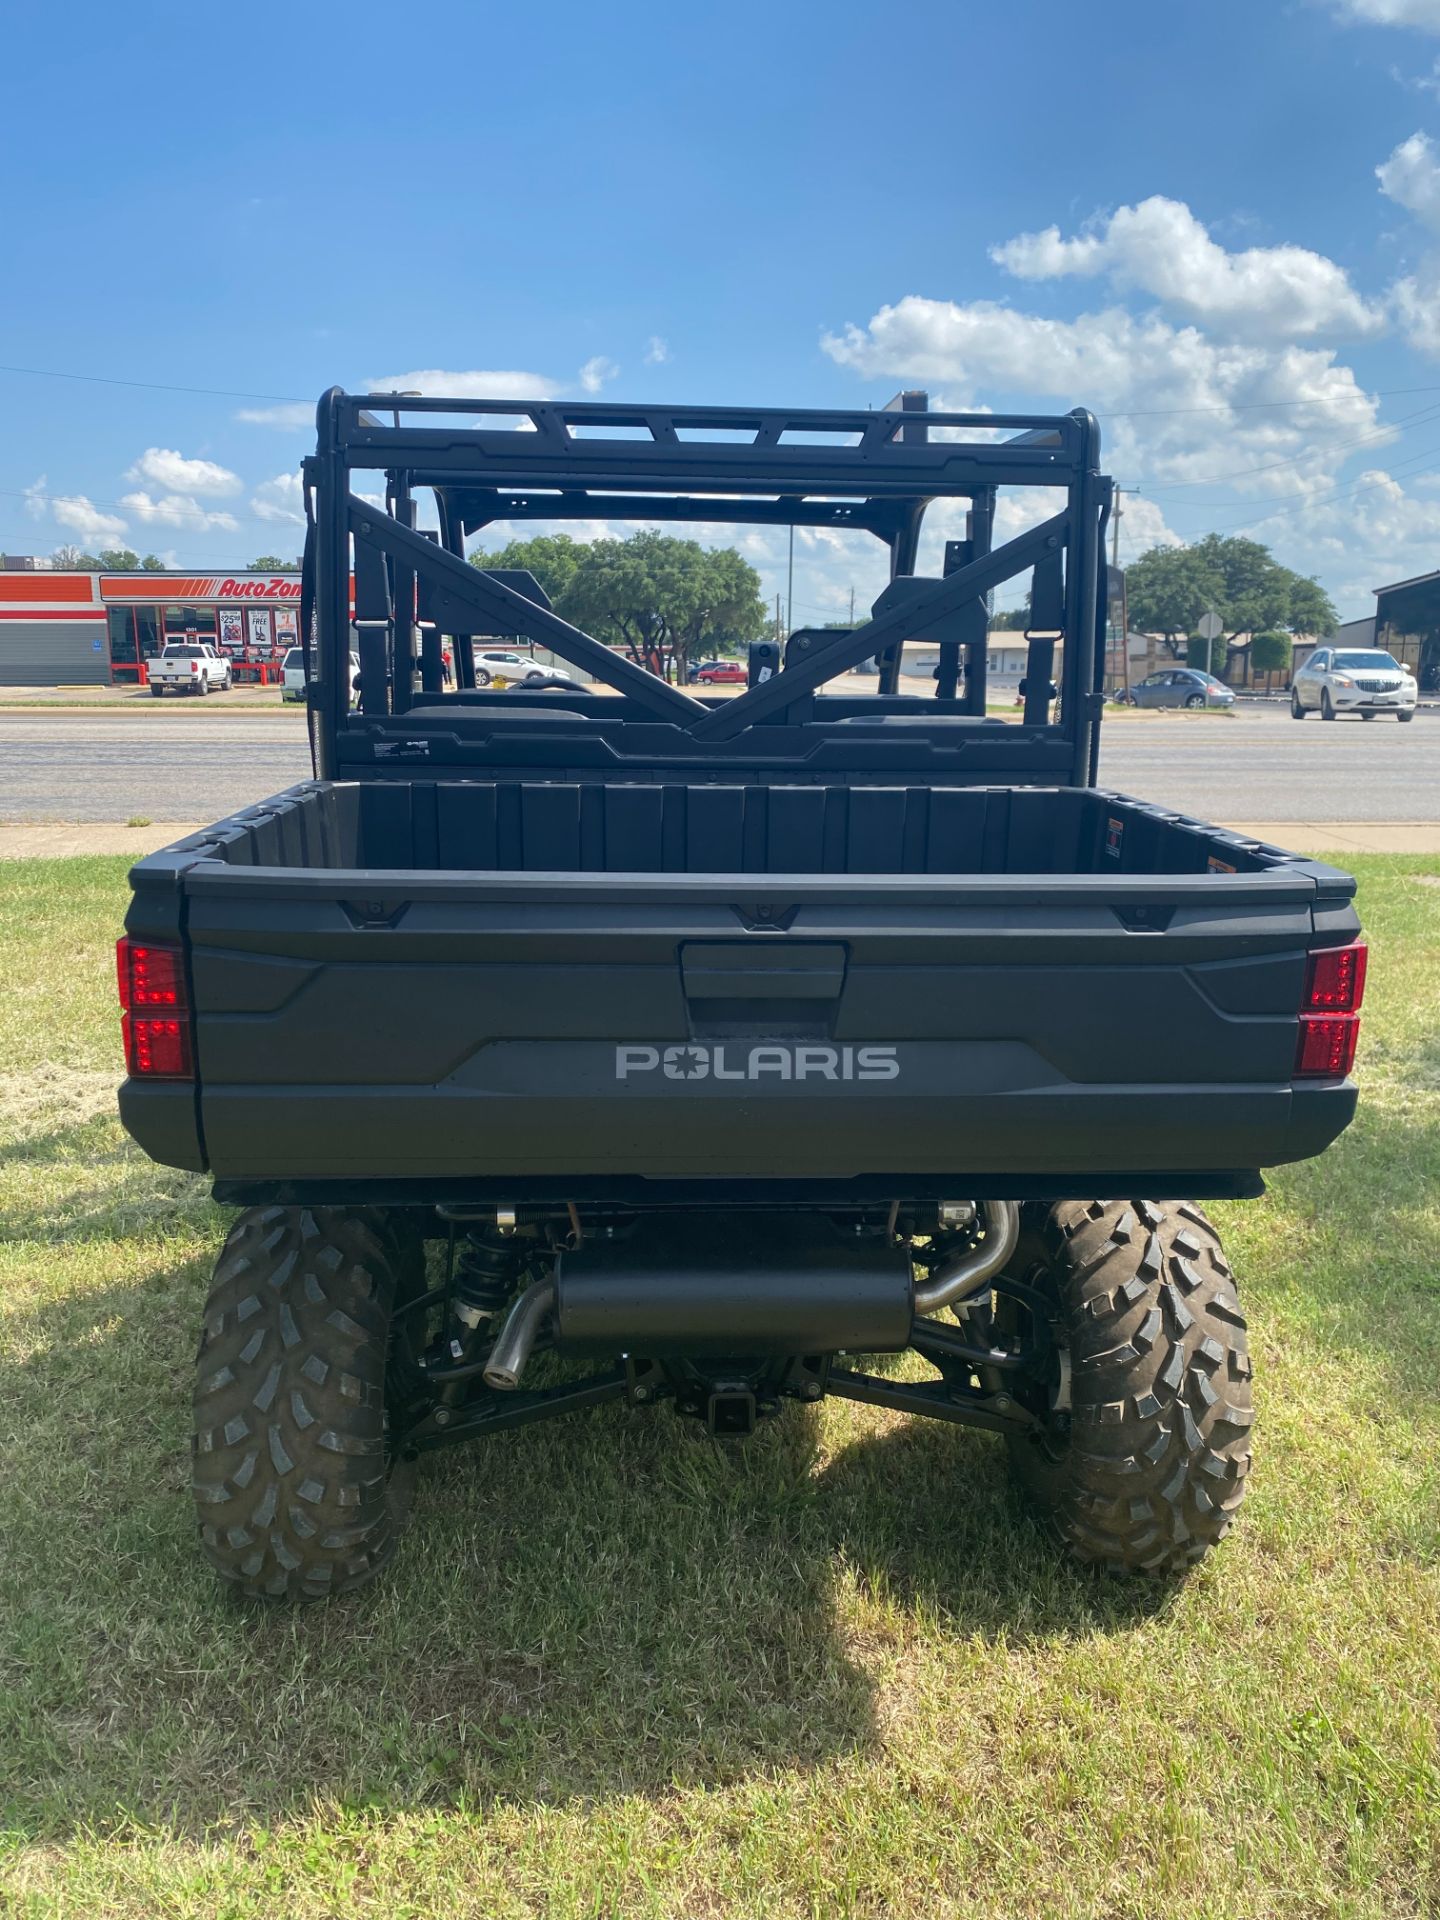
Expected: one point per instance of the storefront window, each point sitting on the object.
(122, 636)
(180, 621)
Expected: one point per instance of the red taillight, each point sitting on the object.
(149, 976)
(1335, 979)
(157, 1049)
(1327, 1043)
(156, 1017)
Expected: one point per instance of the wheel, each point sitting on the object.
(226, 684)
(1327, 705)
(297, 1492)
(1196, 700)
(1297, 712)
(1145, 1472)
(1367, 716)
(1406, 718)
(202, 686)
(157, 691)
(482, 676)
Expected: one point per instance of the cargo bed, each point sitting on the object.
(532, 990)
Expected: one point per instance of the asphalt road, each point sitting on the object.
(1256, 766)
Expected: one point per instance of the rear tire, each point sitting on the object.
(297, 1492)
(1297, 712)
(1148, 1471)
(157, 691)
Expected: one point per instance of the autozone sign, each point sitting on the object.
(197, 589)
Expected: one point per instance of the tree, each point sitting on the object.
(551, 557)
(152, 563)
(1271, 651)
(270, 563)
(72, 559)
(119, 560)
(665, 600)
(1170, 588)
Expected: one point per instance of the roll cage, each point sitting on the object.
(878, 471)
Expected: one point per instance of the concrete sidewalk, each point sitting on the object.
(51, 839)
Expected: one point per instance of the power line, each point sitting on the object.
(1405, 424)
(149, 386)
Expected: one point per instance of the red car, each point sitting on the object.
(721, 673)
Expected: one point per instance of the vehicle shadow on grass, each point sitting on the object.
(610, 1605)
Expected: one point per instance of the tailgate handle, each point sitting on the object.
(763, 969)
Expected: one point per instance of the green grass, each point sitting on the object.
(616, 1671)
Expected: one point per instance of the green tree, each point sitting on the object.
(119, 560)
(664, 599)
(270, 563)
(73, 559)
(152, 563)
(553, 558)
(1271, 651)
(1169, 589)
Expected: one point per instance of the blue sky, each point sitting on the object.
(1217, 225)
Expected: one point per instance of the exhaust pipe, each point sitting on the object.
(516, 1339)
(968, 1272)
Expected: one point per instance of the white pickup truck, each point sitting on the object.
(190, 667)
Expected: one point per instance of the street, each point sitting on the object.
(1256, 765)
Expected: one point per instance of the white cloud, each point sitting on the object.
(1159, 248)
(83, 517)
(163, 467)
(37, 501)
(1411, 178)
(1179, 405)
(467, 386)
(179, 510)
(291, 415)
(657, 352)
(281, 499)
(1422, 14)
(596, 372)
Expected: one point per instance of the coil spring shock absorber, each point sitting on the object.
(485, 1275)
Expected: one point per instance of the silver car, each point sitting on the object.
(1181, 687)
(1363, 680)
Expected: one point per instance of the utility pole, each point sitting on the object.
(777, 619)
(852, 606)
(790, 586)
(1115, 518)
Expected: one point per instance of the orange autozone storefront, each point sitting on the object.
(254, 618)
(95, 629)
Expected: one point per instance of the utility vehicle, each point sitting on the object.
(636, 1046)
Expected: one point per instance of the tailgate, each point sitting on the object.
(535, 1028)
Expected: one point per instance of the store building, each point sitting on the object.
(101, 629)
(1407, 624)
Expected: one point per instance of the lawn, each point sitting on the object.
(616, 1671)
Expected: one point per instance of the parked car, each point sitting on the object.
(191, 666)
(1181, 687)
(503, 664)
(1363, 680)
(292, 671)
(721, 673)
